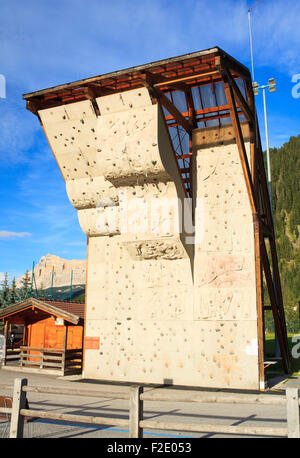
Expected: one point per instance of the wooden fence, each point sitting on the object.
(57, 361)
(136, 397)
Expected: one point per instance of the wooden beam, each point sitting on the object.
(221, 66)
(276, 280)
(236, 68)
(186, 78)
(191, 108)
(159, 80)
(241, 146)
(273, 300)
(259, 299)
(262, 177)
(169, 106)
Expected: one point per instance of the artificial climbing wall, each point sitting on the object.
(224, 266)
(161, 306)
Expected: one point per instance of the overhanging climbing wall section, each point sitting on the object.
(224, 268)
(122, 177)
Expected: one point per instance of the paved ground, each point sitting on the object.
(183, 412)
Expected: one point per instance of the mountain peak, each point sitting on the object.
(61, 268)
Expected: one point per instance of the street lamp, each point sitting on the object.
(272, 88)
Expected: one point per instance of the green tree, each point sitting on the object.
(41, 291)
(285, 168)
(4, 293)
(25, 286)
(13, 292)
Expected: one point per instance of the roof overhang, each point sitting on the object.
(194, 68)
(46, 307)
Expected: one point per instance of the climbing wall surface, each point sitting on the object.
(159, 309)
(224, 266)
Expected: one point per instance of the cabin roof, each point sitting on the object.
(72, 312)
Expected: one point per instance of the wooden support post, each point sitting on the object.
(65, 346)
(5, 338)
(277, 319)
(19, 402)
(136, 412)
(292, 412)
(259, 300)
(240, 145)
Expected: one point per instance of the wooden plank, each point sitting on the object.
(208, 428)
(45, 350)
(40, 357)
(292, 412)
(42, 364)
(75, 418)
(209, 136)
(187, 78)
(77, 392)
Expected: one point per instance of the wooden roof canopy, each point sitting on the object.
(190, 89)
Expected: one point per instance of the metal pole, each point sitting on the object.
(268, 151)
(251, 49)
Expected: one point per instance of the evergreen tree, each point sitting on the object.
(41, 291)
(285, 169)
(13, 292)
(4, 293)
(25, 287)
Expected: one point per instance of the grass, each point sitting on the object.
(270, 351)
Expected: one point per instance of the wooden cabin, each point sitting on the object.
(52, 337)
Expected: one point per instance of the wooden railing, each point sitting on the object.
(62, 361)
(11, 355)
(137, 396)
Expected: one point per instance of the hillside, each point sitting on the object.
(285, 174)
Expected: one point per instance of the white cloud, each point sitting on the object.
(9, 234)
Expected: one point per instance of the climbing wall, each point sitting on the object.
(224, 266)
(159, 309)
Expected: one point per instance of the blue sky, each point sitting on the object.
(50, 42)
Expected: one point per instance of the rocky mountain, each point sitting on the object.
(62, 269)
